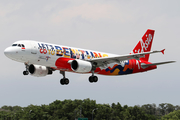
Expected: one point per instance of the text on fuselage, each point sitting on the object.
(68, 52)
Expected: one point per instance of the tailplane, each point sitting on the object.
(152, 64)
(145, 44)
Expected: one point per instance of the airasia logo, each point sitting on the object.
(145, 45)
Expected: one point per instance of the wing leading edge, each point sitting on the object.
(107, 60)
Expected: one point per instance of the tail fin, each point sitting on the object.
(145, 44)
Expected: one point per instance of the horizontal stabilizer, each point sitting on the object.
(160, 63)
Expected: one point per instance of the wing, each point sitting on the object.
(102, 62)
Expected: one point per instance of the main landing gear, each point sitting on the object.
(26, 72)
(64, 80)
(93, 78)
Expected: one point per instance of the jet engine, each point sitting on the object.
(81, 66)
(39, 71)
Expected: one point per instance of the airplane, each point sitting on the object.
(43, 59)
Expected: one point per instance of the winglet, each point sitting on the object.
(163, 51)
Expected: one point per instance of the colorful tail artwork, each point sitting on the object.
(145, 44)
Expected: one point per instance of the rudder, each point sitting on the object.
(145, 44)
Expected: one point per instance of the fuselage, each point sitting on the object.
(57, 57)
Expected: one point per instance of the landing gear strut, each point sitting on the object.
(26, 72)
(64, 80)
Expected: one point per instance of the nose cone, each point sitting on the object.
(8, 52)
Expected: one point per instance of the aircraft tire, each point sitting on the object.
(62, 81)
(25, 72)
(95, 78)
(66, 81)
(91, 79)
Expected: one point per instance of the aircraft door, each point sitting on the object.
(33, 48)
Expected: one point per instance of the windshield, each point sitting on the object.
(14, 45)
(19, 45)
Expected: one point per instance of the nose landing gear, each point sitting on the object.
(26, 72)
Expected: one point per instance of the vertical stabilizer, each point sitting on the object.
(145, 44)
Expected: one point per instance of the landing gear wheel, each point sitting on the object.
(64, 81)
(93, 79)
(25, 72)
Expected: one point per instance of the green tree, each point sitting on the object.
(175, 115)
(149, 109)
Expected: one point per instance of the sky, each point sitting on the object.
(112, 26)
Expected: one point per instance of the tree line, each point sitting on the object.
(73, 109)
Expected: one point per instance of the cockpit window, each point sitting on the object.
(14, 45)
(19, 45)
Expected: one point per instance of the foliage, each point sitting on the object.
(175, 115)
(71, 110)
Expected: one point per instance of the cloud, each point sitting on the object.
(90, 12)
(6, 9)
(85, 11)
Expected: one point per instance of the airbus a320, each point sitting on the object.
(43, 59)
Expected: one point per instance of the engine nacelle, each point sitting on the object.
(39, 71)
(81, 66)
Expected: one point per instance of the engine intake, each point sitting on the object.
(39, 71)
(81, 66)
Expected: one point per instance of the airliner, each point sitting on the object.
(41, 59)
